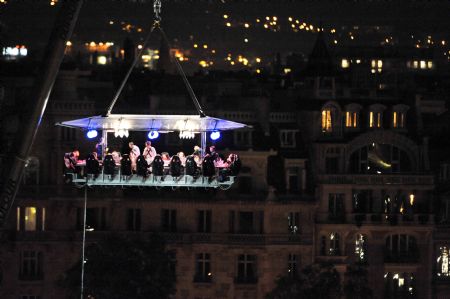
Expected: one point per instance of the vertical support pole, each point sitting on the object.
(84, 241)
(203, 144)
(105, 142)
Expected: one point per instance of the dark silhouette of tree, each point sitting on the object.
(356, 284)
(122, 267)
(317, 281)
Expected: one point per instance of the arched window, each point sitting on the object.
(327, 120)
(330, 119)
(443, 263)
(378, 158)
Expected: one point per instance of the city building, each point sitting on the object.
(334, 170)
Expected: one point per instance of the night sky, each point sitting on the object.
(190, 23)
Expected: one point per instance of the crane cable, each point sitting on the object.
(157, 25)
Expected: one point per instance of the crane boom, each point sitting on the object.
(54, 54)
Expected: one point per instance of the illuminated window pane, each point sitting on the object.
(360, 248)
(351, 119)
(30, 219)
(430, 64)
(394, 120)
(326, 121)
(345, 63)
(416, 64)
(443, 262)
(375, 119)
(423, 64)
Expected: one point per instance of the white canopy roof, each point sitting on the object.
(160, 123)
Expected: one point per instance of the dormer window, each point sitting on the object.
(375, 118)
(351, 119)
(399, 116)
(398, 119)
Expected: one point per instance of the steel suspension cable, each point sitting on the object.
(130, 70)
(183, 76)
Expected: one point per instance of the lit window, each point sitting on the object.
(327, 121)
(351, 119)
(293, 222)
(334, 244)
(399, 285)
(430, 64)
(415, 64)
(360, 248)
(398, 119)
(102, 60)
(30, 218)
(443, 262)
(423, 64)
(375, 119)
(345, 63)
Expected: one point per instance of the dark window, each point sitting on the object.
(292, 265)
(204, 221)
(401, 248)
(245, 184)
(134, 219)
(172, 262)
(169, 220)
(336, 207)
(95, 218)
(231, 221)
(203, 268)
(31, 265)
(294, 222)
(246, 269)
(246, 223)
(30, 297)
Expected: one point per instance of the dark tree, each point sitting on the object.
(119, 268)
(357, 283)
(317, 281)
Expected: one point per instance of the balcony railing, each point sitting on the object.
(367, 179)
(377, 218)
(189, 238)
(202, 278)
(401, 257)
(246, 280)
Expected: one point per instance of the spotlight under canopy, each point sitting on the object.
(91, 134)
(153, 135)
(214, 135)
